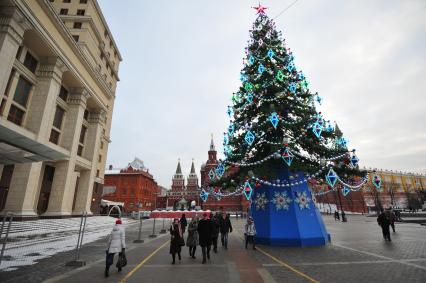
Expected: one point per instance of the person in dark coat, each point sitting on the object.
(192, 240)
(183, 223)
(225, 228)
(384, 222)
(336, 215)
(205, 236)
(215, 230)
(392, 219)
(176, 239)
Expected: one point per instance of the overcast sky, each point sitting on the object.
(182, 59)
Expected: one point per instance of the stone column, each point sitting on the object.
(87, 177)
(23, 192)
(63, 187)
(43, 102)
(12, 27)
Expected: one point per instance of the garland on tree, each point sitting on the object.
(274, 122)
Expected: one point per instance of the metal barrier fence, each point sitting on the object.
(25, 240)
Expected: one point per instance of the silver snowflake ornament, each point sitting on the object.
(260, 201)
(281, 200)
(302, 200)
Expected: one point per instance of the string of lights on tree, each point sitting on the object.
(274, 121)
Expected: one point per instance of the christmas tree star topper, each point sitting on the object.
(260, 9)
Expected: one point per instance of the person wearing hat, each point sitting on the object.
(250, 232)
(176, 241)
(116, 244)
(205, 236)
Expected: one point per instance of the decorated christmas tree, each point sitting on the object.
(277, 142)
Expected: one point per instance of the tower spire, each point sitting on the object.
(178, 169)
(212, 148)
(192, 167)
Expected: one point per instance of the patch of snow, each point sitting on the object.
(30, 241)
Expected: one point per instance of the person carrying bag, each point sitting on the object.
(116, 244)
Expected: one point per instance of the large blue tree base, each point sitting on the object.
(295, 222)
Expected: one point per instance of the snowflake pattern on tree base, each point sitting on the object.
(281, 201)
(302, 200)
(261, 201)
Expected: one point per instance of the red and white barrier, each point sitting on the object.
(178, 214)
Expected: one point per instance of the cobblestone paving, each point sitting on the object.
(357, 254)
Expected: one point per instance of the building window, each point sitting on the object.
(59, 117)
(63, 94)
(81, 12)
(80, 150)
(16, 115)
(83, 1)
(63, 12)
(77, 25)
(76, 38)
(54, 136)
(86, 115)
(81, 140)
(100, 158)
(66, 1)
(2, 104)
(83, 134)
(102, 145)
(52, 1)
(9, 82)
(22, 91)
(18, 53)
(30, 62)
(97, 173)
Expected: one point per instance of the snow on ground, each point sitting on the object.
(30, 241)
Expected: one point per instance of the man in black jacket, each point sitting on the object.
(215, 230)
(384, 222)
(225, 228)
(205, 236)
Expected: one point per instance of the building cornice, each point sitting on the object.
(101, 15)
(98, 36)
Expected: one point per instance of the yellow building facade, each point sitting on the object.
(58, 76)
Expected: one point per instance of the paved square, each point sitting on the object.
(357, 254)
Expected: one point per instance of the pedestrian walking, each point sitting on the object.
(192, 240)
(183, 223)
(176, 241)
(205, 236)
(116, 243)
(336, 215)
(384, 222)
(225, 228)
(215, 230)
(250, 232)
(392, 219)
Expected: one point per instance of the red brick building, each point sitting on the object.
(133, 185)
(232, 203)
(181, 196)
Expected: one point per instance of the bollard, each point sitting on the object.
(139, 240)
(163, 230)
(3, 247)
(77, 261)
(153, 230)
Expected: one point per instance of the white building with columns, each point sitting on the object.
(58, 74)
